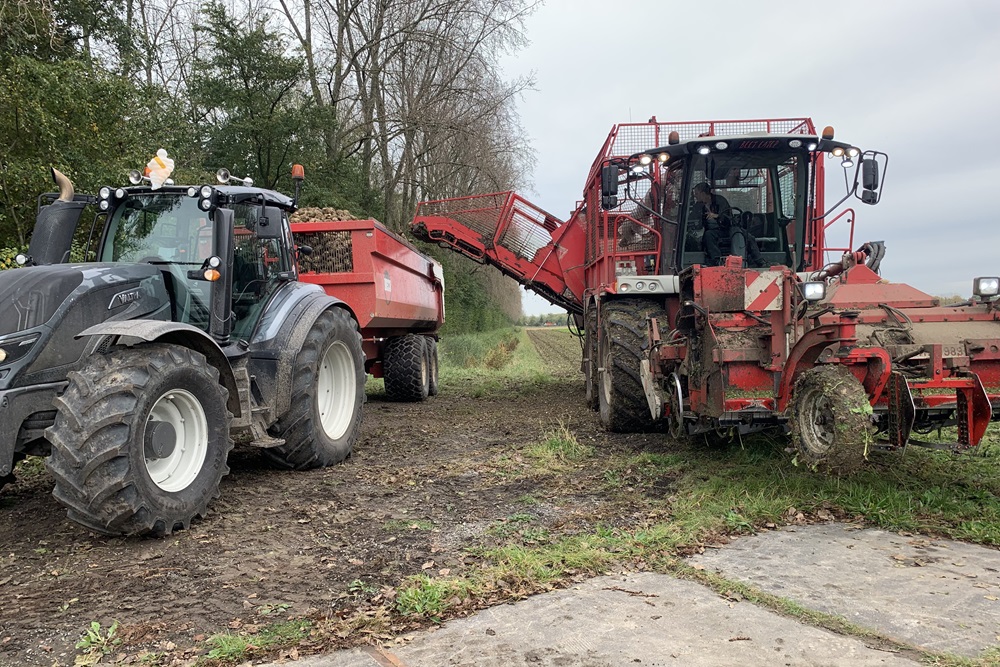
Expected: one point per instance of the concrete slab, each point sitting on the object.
(937, 594)
(640, 619)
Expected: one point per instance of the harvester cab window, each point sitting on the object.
(163, 229)
(754, 195)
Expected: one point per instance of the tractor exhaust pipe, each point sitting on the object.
(66, 190)
(55, 225)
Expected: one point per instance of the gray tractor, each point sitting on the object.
(137, 372)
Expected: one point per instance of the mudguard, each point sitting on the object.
(280, 335)
(176, 333)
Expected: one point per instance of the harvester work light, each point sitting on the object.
(986, 286)
(704, 150)
(721, 146)
(794, 143)
(813, 290)
(645, 159)
(837, 152)
(847, 162)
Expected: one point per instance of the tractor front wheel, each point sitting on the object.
(622, 346)
(328, 395)
(140, 440)
(831, 419)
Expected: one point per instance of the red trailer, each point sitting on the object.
(395, 292)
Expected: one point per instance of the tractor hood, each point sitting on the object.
(30, 296)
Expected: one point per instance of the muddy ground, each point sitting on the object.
(426, 482)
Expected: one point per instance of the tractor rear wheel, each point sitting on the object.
(328, 394)
(590, 367)
(831, 419)
(140, 440)
(621, 398)
(405, 369)
(432, 361)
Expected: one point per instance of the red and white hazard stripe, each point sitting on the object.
(763, 291)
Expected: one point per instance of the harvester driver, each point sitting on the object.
(722, 234)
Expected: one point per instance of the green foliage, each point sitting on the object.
(244, 85)
(98, 640)
(559, 448)
(227, 647)
(425, 596)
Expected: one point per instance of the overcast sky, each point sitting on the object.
(918, 80)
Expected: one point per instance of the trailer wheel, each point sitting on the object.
(592, 381)
(140, 440)
(328, 394)
(432, 366)
(405, 369)
(622, 401)
(830, 419)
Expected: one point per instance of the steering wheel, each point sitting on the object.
(735, 214)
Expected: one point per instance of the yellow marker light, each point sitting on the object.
(828, 132)
(212, 275)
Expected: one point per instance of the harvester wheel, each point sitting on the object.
(140, 440)
(590, 340)
(432, 361)
(622, 401)
(405, 369)
(830, 419)
(328, 394)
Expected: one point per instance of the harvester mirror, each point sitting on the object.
(869, 174)
(869, 197)
(609, 183)
(609, 202)
(269, 224)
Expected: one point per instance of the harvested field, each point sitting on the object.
(501, 486)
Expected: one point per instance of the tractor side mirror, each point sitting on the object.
(869, 174)
(269, 223)
(609, 182)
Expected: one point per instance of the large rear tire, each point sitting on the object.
(405, 369)
(328, 394)
(140, 440)
(831, 419)
(624, 336)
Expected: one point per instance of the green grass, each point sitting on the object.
(558, 449)
(228, 647)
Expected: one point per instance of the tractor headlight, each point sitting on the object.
(206, 191)
(104, 192)
(813, 291)
(986, 286)
(120, 193)
(205, 204)
(103, 205)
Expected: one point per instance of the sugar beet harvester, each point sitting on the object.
(694, 265)
(136, 373)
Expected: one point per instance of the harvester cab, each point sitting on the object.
(189, 330)
(701, 268)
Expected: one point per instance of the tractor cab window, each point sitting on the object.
(744, 203)
(259, 266)
(169, 231)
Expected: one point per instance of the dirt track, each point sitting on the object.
(426, 482)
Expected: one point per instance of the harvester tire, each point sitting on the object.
(405, 369)
(622, 401)
(592, 382)
(432, 360)
(140, 440)
(328, 394)
(831, 420)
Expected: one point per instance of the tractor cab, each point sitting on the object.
(757, 196)
(220, 249)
